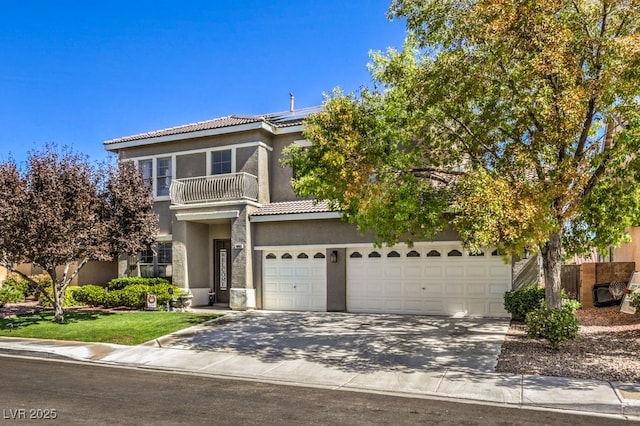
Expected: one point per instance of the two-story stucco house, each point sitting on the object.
(232, 231)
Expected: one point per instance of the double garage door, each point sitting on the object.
(432, 279)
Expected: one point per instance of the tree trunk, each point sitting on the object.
(59, 309)
(552, 265)
(58, 295)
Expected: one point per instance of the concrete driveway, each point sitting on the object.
(355, 343)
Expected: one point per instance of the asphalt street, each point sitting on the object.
(37, 391)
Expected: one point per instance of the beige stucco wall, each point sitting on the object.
(280, 178)
(629, 252)
(320, 231)
(202, 143)
(98, 273)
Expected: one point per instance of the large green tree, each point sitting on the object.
(518, 122)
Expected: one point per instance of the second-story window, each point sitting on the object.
(163, 176)
(221, 162)
(146, 169)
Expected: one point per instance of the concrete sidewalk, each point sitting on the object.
(589, 397)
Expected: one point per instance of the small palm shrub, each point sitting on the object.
(10, 294)
(21, 284)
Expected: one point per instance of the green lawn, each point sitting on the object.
(125, 328)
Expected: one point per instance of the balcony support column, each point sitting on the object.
(242, 294)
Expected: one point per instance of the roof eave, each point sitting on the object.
(285, 217)
(192, 135)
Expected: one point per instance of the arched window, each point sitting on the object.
(319, 255)
(393, 253)
(433, 253)
(413, 253)
(374, 254)
(271, 256)
(355, 255)
(454, 253)
(286, 256)
(303, 256)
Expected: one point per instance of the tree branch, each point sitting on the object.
(586, 126)
(75, 273)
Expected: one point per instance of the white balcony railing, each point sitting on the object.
(209, 189)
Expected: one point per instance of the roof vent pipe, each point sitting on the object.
(291, 99)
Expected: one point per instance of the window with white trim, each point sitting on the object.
(156, 263)
(157, 173)
(163, 176)
(146, 169)
(221, 162)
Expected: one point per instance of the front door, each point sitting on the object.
(222, 269)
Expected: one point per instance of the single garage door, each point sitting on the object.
(432, 280)
(294, 280)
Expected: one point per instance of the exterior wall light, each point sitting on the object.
(333, 257)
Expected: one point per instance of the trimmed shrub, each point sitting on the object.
(112, 299)
(132, 296)
(92, 295)
(555, 325)
(120, 283)
(519, 302)
(69, 297)
(10, 294)
(162, 292)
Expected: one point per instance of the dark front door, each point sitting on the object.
(222, 269)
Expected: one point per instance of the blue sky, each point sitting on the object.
(78, 73)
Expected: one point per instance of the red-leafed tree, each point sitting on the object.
(60, 211)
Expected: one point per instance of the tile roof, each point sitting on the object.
(278, 119)
(293, 207)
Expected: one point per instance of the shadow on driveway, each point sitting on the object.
(355, 342)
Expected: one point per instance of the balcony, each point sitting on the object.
(211, 189)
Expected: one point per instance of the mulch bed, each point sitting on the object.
(606, 349)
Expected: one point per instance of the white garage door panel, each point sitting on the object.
(444, 284)
(294, 281)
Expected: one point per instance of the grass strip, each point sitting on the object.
(124, 328)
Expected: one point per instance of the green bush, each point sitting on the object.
(133, 296)
(571, 304)
(162, 292)
(555, 325)
(69, 297)
(92, 295)
(521, 301)
(10, 294)
(43, 284)
(21, 284)
(120, 283)
(112, 299)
